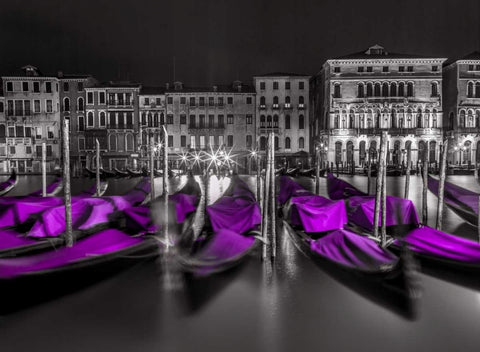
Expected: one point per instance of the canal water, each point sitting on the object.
(292, 305)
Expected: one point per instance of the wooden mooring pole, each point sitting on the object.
(265, 203)
(379, 186)
(407, 173)
(441, 186)
(165, 186)
(66, 179)
(152, 175)
(317, 170)
(272, 199)
(384, 191)
(44, 169)
(97, 171)
(425, 186)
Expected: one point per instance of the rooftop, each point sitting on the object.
(282, 74)
(236, 87)
(378, 52)
(152, 90)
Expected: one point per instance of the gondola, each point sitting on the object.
(280, 171)
(324, 239)
(120, 173)
(34, 233)
(462, 201)
(28, 280)
(134, 173)
(92, 173)
(52, 189)
(9, 184)
(401, 213)
(306, 172)
(293, 171)
(232, 233)
(108, 173)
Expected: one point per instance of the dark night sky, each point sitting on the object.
(217, 41)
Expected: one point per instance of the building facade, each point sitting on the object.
(214, 117)
(31, 117)
(283, 108)
(461, 87)
(362, 94)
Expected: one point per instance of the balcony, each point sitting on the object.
(301, 106)
(344, 132)
(428, 131)
(287, 106)
(120, 127)
(120, 103)
(264, 129)
(262, 106)
(275, 106)
(468, 130)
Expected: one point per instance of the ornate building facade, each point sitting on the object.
(461, 87)
(283, 108)
(31, 117)
(359, 95)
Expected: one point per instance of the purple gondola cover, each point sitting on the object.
(361, 211)
(12, 239)
(339, 189)
(427, 240)
(17, 213)
(455, 195)
(352, 250)
(314, 213)
(238, 212)
(50, 187)
(101, 243)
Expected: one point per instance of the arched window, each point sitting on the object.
(462, 118)
(162, 119)
(369, 89)
(394, 118)
(275, 102)
(287, 143)
(112, 142)
(477, 90)
(336, 121)
(467, 153)
(477, 118)
(102, 119)
(401, 89)
(269, 121)
(2, 133)
(338, 152)
(409, 89)
(287, 101)
(144, 118)
(301, 122)
(393, 89)
(361, 92)
(385, 90)
(129, 142)
(90, 119)
(377, 90)
(362, 152)
(66, 104)
(262, 121)
(419, 118)
(155, 119)
(336, 90)
(469, 121)
(150, 120)
(434, 89)
(276, 142)
(351, 120)
(451, 118)
(275, 120)
(432, 150)
(263, 143)
(434, 119)
(301, 101)
(80, 105)
(470, 90)
(287, 122)
(350, 152)
(421, 151)
(301, 143)
(262, 101)
(396, 153)
(426, 124)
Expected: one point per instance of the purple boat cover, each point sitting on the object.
(339, 189)
(352, 250)
(55, 186)
(5, 186)
(101, 243)
(17, 213)
(455, 195)
(314, 213)
(436, 243)
(238, 212)
(12, 239)
(400, 211)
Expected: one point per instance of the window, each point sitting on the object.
(202, 121)
(169, 100)
(50, 132)
(275, 85)
(169, 119)
(146, 101)
(211, 140)
(38, 132)
(434, 89)
(80, 106)
(183, 141)
(18, 107)
(12, 149)
(183, 100)
(10, 109)
(48, 87)
(369, 68)
(385, 69)
(470, 90)
(49, 105)
(112, 139)
(66, 104)
(221, 123)
(158, 101)
(262, 121)
(336, 90)
(262, 85)
(287, 85)
(19, 131)
(248, 141)
(25, 86)
(275, 102)
(170, 141)
(79, 86)
(230, 100)
(183, 119)
(102, 121)
(90, 98)
(477, 90)
(1, 106)
(230, 140)
(66, 87)
(81, 144)
(10, 86)
(101, 97)
(385, 89)
(162, 119)
(287, 122)
(361, 92)
(301, 122)
(249, 119)
(202, 142)
(11, 131)
(249, 100)
(369, 89)
(360, 69)
(26, 104)
(393, 89)
(201, 101)
(36, 87)
(90, 119)
(471, 67)
(336, 69)
(193, 145)
(301, 143)
(410, 68)
(409, 89)
(211, 121)
(275, 121)
(262, 102)
(211, 101)
(230, 119)
(434, 68)
(287, 143)
(192, 101)
(401, 89)
(192, 121)
(220, 101)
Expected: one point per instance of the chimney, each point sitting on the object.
(178, 85)
(60, 74)
(215, 88)
(167, 86)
